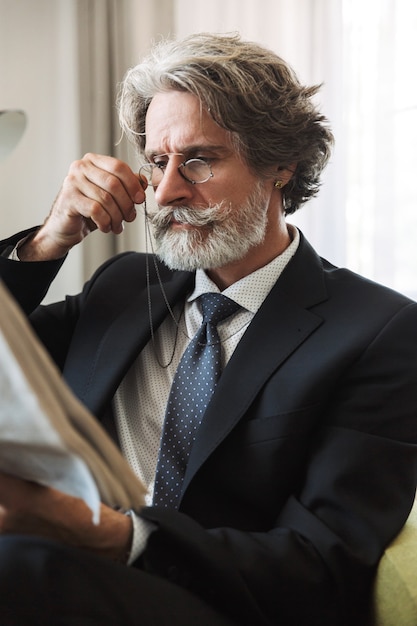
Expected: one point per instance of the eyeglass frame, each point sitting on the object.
(179, 168)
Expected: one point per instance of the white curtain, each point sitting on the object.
(380, 130)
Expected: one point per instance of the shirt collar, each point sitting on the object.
(250, 291)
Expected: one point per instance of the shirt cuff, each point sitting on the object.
(13, 255)
(142, 529)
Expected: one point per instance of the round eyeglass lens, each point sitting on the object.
(196, 170)
(193, 170)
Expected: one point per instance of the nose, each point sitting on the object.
(173, 188)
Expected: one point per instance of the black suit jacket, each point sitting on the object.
(304, 467)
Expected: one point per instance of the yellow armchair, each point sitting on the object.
(395, 592)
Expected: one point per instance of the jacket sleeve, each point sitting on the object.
(27, 282)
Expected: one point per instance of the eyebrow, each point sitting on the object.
(189, 151)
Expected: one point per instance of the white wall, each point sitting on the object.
(38, 60)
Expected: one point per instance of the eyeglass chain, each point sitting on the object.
(148, 240)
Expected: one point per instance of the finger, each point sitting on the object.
(98, 192)
(133, 185)
(108, 191)
(100, 196)
(80, 208)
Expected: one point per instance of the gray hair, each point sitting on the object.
(249, 91)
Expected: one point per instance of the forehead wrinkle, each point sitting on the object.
(191, 150)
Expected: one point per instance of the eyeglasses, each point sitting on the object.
(195, 171)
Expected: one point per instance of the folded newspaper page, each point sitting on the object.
(46, 434)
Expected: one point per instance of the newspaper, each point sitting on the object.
(46, 434)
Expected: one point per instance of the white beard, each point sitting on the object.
(220, 235)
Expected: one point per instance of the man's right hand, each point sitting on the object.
(27, 508)
(99, 192)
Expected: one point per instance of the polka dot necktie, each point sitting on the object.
(194, 383)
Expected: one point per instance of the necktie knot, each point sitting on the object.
(216, 307)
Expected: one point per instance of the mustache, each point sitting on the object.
(202, 216)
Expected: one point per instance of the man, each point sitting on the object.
(303, 465)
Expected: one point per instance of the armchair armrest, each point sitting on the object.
(395, 591)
